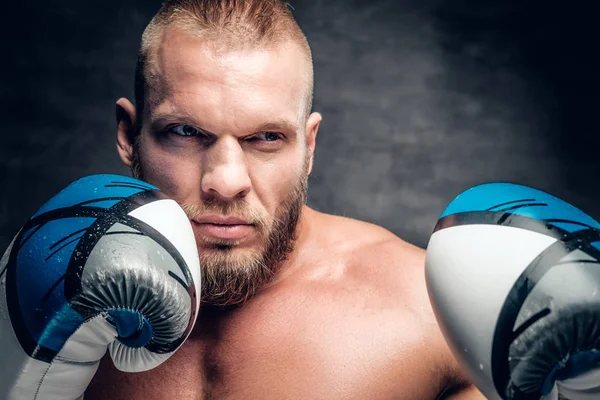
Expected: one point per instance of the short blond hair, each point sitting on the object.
(258, 23)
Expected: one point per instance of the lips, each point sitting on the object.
(221, 220)
(223, 227)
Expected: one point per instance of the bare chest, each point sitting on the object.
(306, 350)
(316, 352)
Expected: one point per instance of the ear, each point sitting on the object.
(126, 124)
(312, 127)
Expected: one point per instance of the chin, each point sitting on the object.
(229, 256)
(232, 275)
(205, 244)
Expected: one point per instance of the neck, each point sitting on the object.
(295, 259)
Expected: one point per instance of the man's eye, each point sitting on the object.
(185, 130)
(267, 136)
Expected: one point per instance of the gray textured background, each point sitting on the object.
(421, 99)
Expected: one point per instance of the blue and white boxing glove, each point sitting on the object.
(513, 275)
(108, 263)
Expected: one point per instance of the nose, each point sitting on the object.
(225, 172)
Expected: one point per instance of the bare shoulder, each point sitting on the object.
(393, 271)
(376, 256)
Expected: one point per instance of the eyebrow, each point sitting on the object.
(279, 124)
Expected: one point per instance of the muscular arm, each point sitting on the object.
(469, 392)
(445, 371)
(457, 385)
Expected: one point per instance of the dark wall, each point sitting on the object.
(421, 99)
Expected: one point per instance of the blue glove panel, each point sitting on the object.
(508, 198)
(48, 255)
(102, 191)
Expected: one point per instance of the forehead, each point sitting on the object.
(196, 75)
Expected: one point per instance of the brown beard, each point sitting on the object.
(231, 281)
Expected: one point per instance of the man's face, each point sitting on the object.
(226, 135)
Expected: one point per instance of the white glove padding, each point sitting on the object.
(513, 277)
(581, 387)
(108, 263)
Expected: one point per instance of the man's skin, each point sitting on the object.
(347, 316)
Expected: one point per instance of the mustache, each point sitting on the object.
(238, 209)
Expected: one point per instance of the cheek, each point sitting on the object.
(172, 173)
(273, 180)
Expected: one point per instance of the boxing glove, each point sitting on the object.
(109, 263)
(513, 275)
